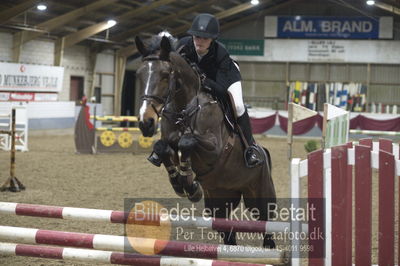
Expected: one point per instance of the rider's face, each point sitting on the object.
(201, 44)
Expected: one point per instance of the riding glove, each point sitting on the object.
(214, 88)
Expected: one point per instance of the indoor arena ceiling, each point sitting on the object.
(85, 21)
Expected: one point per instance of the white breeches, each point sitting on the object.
(236, 91)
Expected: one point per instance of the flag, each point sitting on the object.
(335, 130)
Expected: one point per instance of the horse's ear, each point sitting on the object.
(140, 46)
(165, 48)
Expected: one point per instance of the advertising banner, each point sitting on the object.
(27, 97)
(329, 27)
(244, 47)
(30, 78)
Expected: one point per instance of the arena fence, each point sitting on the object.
(330, 185)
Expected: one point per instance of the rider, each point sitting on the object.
(222, 75)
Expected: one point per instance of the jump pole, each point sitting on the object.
(115, 118)
(161, 247)
(110, 216)
(12, 183)
(375, 132)
(100, 256)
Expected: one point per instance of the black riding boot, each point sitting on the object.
(251, 156)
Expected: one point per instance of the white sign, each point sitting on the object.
(354, 51)
(33, 78)
(27, 97)
(326, 50)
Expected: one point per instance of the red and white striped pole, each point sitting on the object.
(99, 256)
(161, 247)
(68, 213)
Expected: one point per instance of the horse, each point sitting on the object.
(201, 154)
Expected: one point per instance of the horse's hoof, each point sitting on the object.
(179, 191)
(197, 195)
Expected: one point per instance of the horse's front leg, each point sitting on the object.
(165, 153)
(192, 187)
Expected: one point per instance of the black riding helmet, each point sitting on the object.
(205, 26)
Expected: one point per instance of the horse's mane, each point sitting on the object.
(153, 44)
(178, 62)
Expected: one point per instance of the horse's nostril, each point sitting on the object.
(141, 125)
(147, 127)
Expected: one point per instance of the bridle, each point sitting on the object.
(178, 117)
(171, 88)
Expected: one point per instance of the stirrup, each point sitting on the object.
(252, 157)
(154, 159)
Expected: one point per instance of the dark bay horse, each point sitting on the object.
(198, 150)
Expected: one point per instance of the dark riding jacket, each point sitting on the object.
(217, 65)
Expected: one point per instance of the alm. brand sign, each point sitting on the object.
(329, 27)
(244, 47)
(32, 78)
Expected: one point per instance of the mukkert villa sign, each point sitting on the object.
(32, 78)
(329, 27)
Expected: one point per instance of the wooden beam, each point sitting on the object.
(127, 51)
(131, 13)
(79, 36)
(17, 47)
(218, 8)
(92, 75)
(120, 65)
(16, 10)
(59, 51)
(160, 21)
(263, 12)
(234, 10)
(64, 19)
(183, 21)
(387, 7)
(143, 9)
